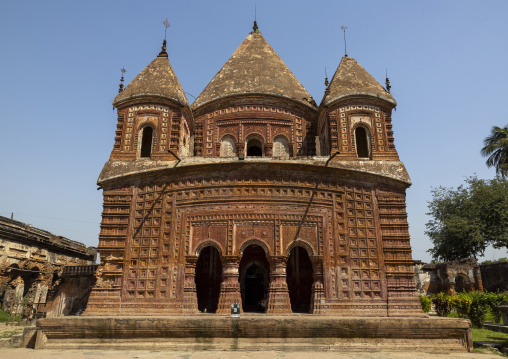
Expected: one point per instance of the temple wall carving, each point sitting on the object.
(243, 120)
(150, 231)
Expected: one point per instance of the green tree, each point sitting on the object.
(496, 149)
(468, 219)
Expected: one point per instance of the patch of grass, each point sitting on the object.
(10, 333)
(489, 318)
(484, 350)
(5, 315)
(485, 335)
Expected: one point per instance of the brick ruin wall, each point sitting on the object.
(31, 261)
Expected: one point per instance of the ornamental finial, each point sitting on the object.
(123, 70)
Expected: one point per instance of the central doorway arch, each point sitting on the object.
(254, 148)
(208, 279)
(254, 279)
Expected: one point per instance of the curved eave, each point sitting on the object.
(328, 102)
(388, 172)
(202, 107)
(136, 99)
(148, 96)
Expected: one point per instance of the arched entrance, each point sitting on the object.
(208, 279)
(254, 148)
(299, 280)
(254, 279)
(461, 284)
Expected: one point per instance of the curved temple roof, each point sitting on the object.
(157, 79)
(352, 79)
(254, 68)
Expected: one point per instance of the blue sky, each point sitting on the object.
(61, 60)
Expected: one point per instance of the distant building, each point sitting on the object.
(449, 277)
(495, 276)
(31, 261)
(254, 195)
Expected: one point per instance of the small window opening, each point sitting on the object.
(146, 142)
(254, 148)
(362, 143)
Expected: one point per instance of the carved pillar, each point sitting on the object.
(278, 294)
(190, 297)
(230, 286)
(318, 292)
(240, 148)
(268, 149)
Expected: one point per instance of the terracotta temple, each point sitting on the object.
(254, 194)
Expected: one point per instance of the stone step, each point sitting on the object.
(255, 332)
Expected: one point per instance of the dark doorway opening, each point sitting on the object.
(461, 284)
(254, 279)
(254, 148)
(299, 280)
(208, 279)
(146, 142)
(362, 144)
(29, 279)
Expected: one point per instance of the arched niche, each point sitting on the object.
(280, 147)
(228, 146)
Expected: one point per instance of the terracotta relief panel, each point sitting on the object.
(208, 231)
(306, 232)
(248, 231)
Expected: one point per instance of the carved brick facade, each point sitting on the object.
(301, 208)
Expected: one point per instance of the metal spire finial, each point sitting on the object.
(166, 25)
(326, 78)
(163, 52)
(123, 70)
(387, 82)
(345, 48)
(255, 27)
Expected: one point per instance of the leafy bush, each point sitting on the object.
(442, 304)
(479, 308)
(462, 304)
(494, 261)
(426, 303)
(493, 300)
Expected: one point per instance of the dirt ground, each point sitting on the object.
(12, 329)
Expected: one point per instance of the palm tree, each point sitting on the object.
(496, 149)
